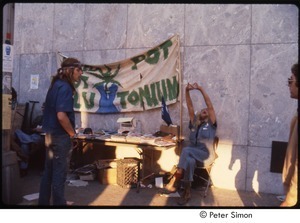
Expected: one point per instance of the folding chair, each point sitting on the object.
(207, 168)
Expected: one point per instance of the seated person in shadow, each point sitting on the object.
(200, 150)
(29, 142)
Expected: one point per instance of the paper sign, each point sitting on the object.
(7, 60)
(34, 81)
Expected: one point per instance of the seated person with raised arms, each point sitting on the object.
(200, 151)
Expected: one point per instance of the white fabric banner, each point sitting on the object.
(133, 84)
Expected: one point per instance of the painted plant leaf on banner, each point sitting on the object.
(134, 84)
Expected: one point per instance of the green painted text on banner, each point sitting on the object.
(134, 84)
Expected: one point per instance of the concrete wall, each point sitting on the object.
(241, 54)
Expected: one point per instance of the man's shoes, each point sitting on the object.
(183, 200)
(171, 187)
(186, 196)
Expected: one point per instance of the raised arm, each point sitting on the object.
(189, 102)
(209, 105)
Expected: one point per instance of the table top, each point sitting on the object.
(139, 140)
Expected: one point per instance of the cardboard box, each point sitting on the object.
(172, 129)
(107, 176)
(107, 171)
(106, 163)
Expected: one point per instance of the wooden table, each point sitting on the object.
(92, 148)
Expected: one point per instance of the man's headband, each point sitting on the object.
(73, 65)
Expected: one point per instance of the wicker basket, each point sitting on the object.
(128, 172)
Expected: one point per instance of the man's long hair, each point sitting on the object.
(66, 70)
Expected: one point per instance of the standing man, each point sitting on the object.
(290, 167)
(59, 126)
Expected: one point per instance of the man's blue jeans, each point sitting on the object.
(55, 173)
